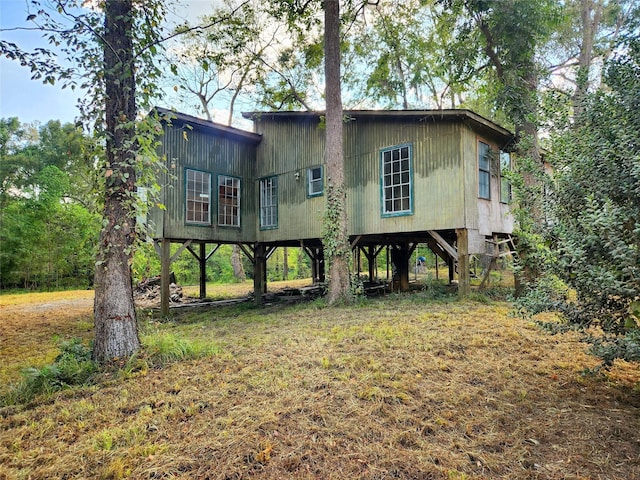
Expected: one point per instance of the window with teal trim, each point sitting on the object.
(396, 181)
(198, 195)
(505, 185)
(484, 171)
(228, 201)
(269, 202)
(315, 182)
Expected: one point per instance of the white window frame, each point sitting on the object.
(228, 201)
(484, 170)
(197, 197)
(505, 185)
(268, 188)
(396, 180)
(315, 185)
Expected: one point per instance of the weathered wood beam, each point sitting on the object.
(165, 271)
(249, 251)
(444, 244)
(181, 249)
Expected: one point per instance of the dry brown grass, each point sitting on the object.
(399, 387)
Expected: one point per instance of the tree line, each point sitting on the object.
(50, 216)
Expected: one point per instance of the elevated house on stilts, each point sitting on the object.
(413, 177)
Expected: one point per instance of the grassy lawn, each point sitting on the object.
(402, 386)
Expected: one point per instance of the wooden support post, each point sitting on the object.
(400, 260)
(372, 263)
(202, 261)
(388, 260)
(259, 272)
(464, 285)
(321, 266)
(165, 272)
(451, 263)
(314, 267)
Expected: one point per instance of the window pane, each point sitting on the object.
(396, 180)
(197, 196)
(228, 201)
(388, 192)
(315, 181)
(484, 169)
(268, 203)
(483, 187)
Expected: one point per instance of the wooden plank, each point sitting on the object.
(180, 250)
(444, 244)
(165, 269)
(249, 254)
(215, 249)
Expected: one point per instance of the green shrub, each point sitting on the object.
(73, 366)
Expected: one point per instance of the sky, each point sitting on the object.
(21, 97)
(31, 100)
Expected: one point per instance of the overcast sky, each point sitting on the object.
(30, 100)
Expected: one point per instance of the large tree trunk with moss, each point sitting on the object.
(335, 238)
(116, 333)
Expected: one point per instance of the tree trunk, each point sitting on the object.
(236, 264)
(116, 332)
(590, 14)
(335, 239)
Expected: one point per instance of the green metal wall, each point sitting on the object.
(444, 172)
(217, 154)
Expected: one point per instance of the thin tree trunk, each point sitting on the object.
(590, 14)
(116, 332)
(236, 264)
(336, 241)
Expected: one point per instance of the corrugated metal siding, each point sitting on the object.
(289, 147)
(287, 150)
(437, 179)
(444, 170)
(216, 155)
(486, 216)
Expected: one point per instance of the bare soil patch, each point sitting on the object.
(400, 387)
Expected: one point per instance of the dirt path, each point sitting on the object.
(29, 322)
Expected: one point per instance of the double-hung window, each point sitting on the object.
(505, 186)
(198, 193)
(396, 180)
(315, 182)
(228, 201)
(484, 171)
(269, 202)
